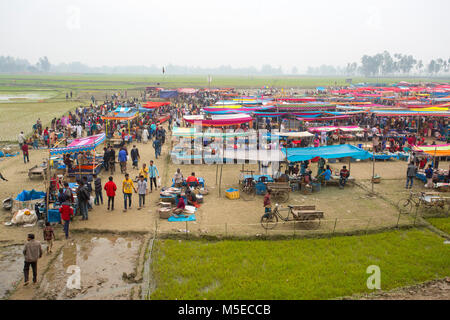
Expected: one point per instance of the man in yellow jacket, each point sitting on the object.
(127, 188)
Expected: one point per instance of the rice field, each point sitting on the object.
(441, 223)
(295, 269)
(16, 117)
(111, 82)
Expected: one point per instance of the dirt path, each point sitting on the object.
(432, 290)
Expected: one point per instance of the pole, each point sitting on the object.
(220, 180)
(47, 185)
(373, 170)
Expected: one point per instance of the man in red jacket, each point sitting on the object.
(110, 188)
(66, 212)
(25, 153)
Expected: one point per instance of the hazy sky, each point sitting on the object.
(210, 33)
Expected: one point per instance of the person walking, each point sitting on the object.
(142, 191)
(123, 160)
(83, 198)
(110, 188)
(25, 153)
(21, 139)
(153, 173)
(410, 174)
(98, 190)
(157, 147)
(66, 213)
(32, 251)
(145, 135)
(127, 189)
(144, 172)
(135, 156)
(112, 161)
(49, 236)
(429, 176)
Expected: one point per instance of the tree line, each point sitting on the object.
(385, 64)
(13, 65)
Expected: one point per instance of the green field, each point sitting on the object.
(441, 223)
(16, 117)
(295, 269)
(139, 82)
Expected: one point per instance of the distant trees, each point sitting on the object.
(385, 64)
(10, 64)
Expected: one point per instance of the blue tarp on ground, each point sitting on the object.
(326, 152)
(30, 195)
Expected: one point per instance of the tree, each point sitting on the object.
(43, 64)
(387, 66)
(294, 70)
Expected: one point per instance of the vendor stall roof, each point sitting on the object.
(255, 155)
(81, 144)
(334, 128)
(121, 116)
(304, 134)
(155, 104)
(326, 152)
(440, 150)
(219, 120)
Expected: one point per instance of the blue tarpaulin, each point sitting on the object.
(30, 195)
(168, 94)
(326, 152)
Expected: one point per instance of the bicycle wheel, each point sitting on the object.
(405, 206)
(269, 221)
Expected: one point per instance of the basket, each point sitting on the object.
(165, 213)
(232, 194)
(376, 179)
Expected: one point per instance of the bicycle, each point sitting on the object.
(417, 199)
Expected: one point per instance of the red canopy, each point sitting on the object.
(153, 104)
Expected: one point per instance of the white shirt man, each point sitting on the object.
(79, 131)
(21, 139)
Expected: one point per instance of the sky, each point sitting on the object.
(210, 33)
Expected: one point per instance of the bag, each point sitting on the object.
(159, 182)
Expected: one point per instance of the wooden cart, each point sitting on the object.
(295, 213)
(37, 171)
(280, 191)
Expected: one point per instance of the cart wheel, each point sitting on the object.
(269, 221)
(283, 197)
(405, 206)
(248, 194)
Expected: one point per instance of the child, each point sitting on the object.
(142, 191)
(110, 188)
(49, 236)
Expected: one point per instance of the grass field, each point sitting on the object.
(295, 269)
(16, 117)
(110, 82)
(441, 223)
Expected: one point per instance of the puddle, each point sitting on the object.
(102, 261)
(24, 97)
(11, 268)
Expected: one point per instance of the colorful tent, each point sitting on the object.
(440, 150)
(326, 152)
(219, 120)
(80, 144)
(155, 104)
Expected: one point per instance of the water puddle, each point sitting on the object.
(101, 261)
(17, 97)
(11, 268)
